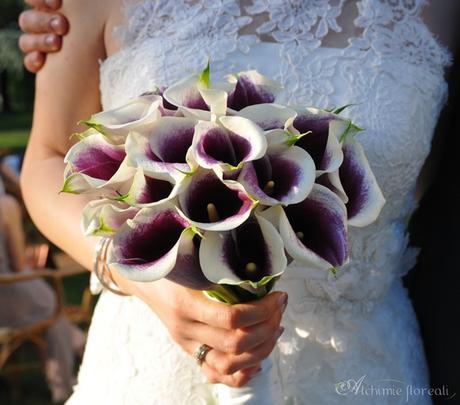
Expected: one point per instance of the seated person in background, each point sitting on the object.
(26, 302)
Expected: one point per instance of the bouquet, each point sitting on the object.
(217, 187)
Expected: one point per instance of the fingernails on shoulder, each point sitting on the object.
(50, 3)
(55, 24)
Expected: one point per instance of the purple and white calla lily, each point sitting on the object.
(146, 247)
(365, 199)
(119, 121)
(250, 88)
(150, 189)
(227, 144)
(162, 146)
(283, 176)
(318, 132)
(104, 217)
(213, 204)
(94, 165)
(250, 254)
(314, 231)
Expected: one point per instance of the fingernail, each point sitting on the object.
(282, 299)
(55, 23)
(49, 40)
(50, 3)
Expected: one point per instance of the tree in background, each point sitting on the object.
(10, 55)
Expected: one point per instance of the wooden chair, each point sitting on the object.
(11, 339)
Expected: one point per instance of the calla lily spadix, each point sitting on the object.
(162, 146)
(104, 217)
(146, 247)
(320, 132)
(268, 116)
(365, 199)
(250, 87)
(314, 231)
(150, 189)
(228, 143)
(119, 121)
(280, 177)
(94, 164)
(211, 203)
(251, 254)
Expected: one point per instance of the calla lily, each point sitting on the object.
(228, 145)
(332, 182)
(268, 116)
(365, 199)
(162, 146)
(251, 254)
(318, 132)
(211, 203)
(251, 88)
(187, 270)
(314, 231)
(104, 217)
(146, 247)
(94, 164)
(119, 121)
(280, 177)
(150, 189)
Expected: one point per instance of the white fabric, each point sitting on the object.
(360, 323)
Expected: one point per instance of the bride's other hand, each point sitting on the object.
(240, 335)
(43, 29)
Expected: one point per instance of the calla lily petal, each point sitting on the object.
(229, 145)
(187, 270)
(268, 116)
(365, 199)
(253, 252)
(146, 247)
(251, 88)
(319, 135)
(93, 164)
(332, 182)
(162, 146)
(280, 177)
(314, 231)
(119, 121)
(104, 217)
(186, 93)
(211, 203)
(151, 189)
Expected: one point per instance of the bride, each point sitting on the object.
(347, 339)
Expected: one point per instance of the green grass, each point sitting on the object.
(14, 130)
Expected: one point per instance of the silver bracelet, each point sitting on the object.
(101, 269)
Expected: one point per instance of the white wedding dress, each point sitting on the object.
(343, 335)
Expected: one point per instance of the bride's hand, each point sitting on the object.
(240, 335)
(43, 29)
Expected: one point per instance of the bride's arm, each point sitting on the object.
(67, 90)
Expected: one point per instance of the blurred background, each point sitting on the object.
(26, 339)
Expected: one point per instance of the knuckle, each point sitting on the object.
(231, 344)
(239, 380)
(226, 367)
(22, 20)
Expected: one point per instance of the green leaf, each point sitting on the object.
(91, 124)
(205, 75)
(293, 139)
(350, 130)
(66, 188)
(338, 110)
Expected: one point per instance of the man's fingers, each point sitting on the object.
(34, 61)
(39, 22)
(45, 4)
(239, 315)
(39, 42)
